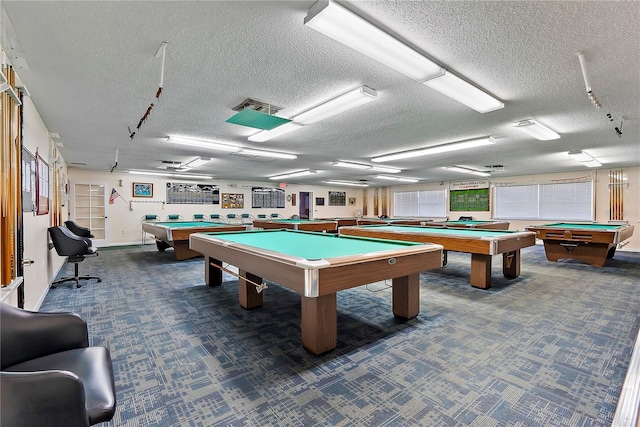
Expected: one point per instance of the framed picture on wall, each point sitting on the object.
(319, 201)
(142, 189)
(42, 186)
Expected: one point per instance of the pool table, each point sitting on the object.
(176, 234)
(481, 244)
(488, 225)
(317, 266)
(389, 221)
(592, 243)
(342, 221)
(295, 224)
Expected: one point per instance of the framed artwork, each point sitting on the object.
(42, 186)
(142, 189)
(319, 201)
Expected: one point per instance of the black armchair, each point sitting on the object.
(78, 230)
(49, 375)
(74, 247)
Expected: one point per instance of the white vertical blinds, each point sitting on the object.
(426, 203)
(571, 201)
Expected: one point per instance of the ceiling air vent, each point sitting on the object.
(257, 114)
(169, 164)
(260, 106)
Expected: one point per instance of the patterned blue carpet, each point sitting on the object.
(550, 348)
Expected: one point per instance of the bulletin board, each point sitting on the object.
(232, 201)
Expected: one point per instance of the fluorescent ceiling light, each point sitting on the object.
(585, 159)
(454, 87)
(339, 23)
(395, 178)
(536, 130)
(197, 162)
(293, 174)
(340, 104)
(348, 183)
(274, 133)
(580, 156)
(213, 145)
(202, 143)
(173, 175)
(435, 149)
(369, 167)
(344, 26)
(352, 99)
(467, 170)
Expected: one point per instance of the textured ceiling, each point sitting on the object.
(91, 70)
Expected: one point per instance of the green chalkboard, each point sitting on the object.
(469, 200)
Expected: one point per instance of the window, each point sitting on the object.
(566, 201)
(427, 203)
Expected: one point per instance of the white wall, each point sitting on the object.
(47, 263)
(631, 197)
(125, 216)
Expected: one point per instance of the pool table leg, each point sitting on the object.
(406, 296)
(247, 295)
(511, 264)
(212, 274)
(481, 271)
(319, 323)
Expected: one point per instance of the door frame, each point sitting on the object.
(72, 210)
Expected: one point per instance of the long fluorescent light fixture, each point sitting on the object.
(266, 135)
(219, 146)
(347, 183)
(350, 165)
(395, 178)
(197, 162)
(435, 149)
(173, 175)
(536, 130)
(347, 101)
(346, 27)
(585, 159)
(464, 92)
(293, 174)
(467, 170)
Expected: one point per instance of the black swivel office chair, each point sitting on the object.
(49, 375)
(78, 230)
(74, 247)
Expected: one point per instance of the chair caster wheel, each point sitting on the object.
(99, 280)
(78, 285)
